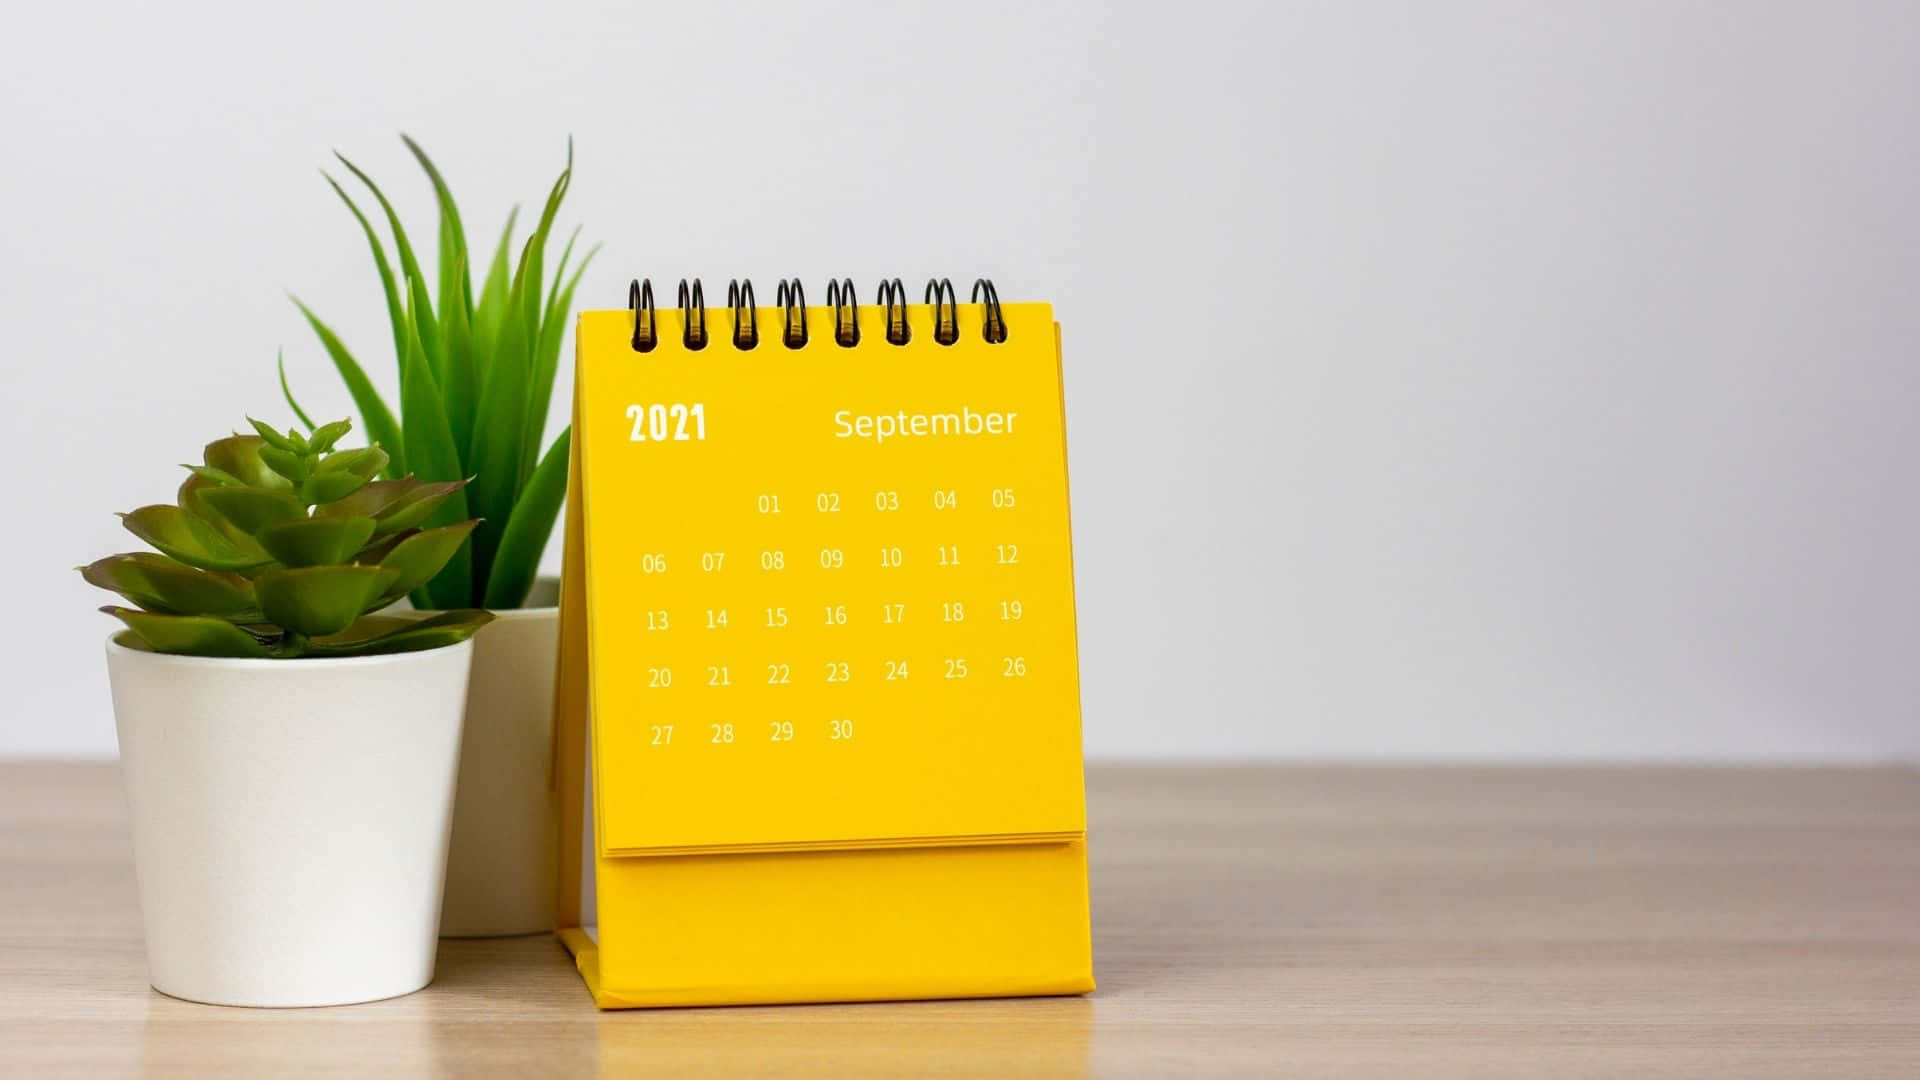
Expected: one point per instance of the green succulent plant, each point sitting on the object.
(476, 379)
(278, 546)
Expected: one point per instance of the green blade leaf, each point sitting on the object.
(429, 437)
(409, 266)
(430, 448)
(522, 346)
(460, 381)
(420, 315)
(251, 509)
(160, 584)
(373, 635)
(491, 307)
(453, 235)
(394, 309)
(316, 541)
(286, 391)
(420, 556)
(498, 431)
(561, 302)
(381, 427)
(318, 600)
(547, 364)
(190, 635)
(527, 281)
(192, 541)
(559, 274)
(517, 561)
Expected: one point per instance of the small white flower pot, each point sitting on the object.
(501, 871)
(289, 819)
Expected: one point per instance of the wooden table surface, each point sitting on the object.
(1540, 922)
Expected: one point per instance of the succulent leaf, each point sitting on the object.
(327, 487)
(190, 635)
(416, 507)
(394, 634)
(397, 505)
(421, 555)
(160, 584)
(365, 462)
(245, 569)
(291, 442)
(251, 509)
(289, 465)
(214, 476)
(192, 540)
(315, 601)
(189, 500)
(239, 457)
(326, 435)
(372, 501)
(115, 575)
(315, 541)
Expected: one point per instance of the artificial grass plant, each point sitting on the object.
(476, 377)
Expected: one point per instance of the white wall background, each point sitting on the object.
(1463, 380)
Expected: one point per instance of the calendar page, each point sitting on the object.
(829, 588)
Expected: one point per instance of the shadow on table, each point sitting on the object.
(1000, 1037)
(517, 1005)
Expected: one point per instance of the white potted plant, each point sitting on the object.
(476, 373)
(289, 759)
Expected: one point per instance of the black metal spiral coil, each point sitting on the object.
(792, 302)
(693, 315)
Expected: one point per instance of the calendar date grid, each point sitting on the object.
(764, 617)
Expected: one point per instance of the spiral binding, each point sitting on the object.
(846, 312)
(996, 328)
(746, 334)
(946, 311)
(693, 315)
(640, 301)
(893, 297)
(792, 301)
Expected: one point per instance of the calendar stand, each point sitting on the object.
(817, 719)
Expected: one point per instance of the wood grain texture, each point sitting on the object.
(1348, 921)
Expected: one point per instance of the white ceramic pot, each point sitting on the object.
(289, 819)
(500, 873)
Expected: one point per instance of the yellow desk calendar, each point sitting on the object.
(818, 722)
